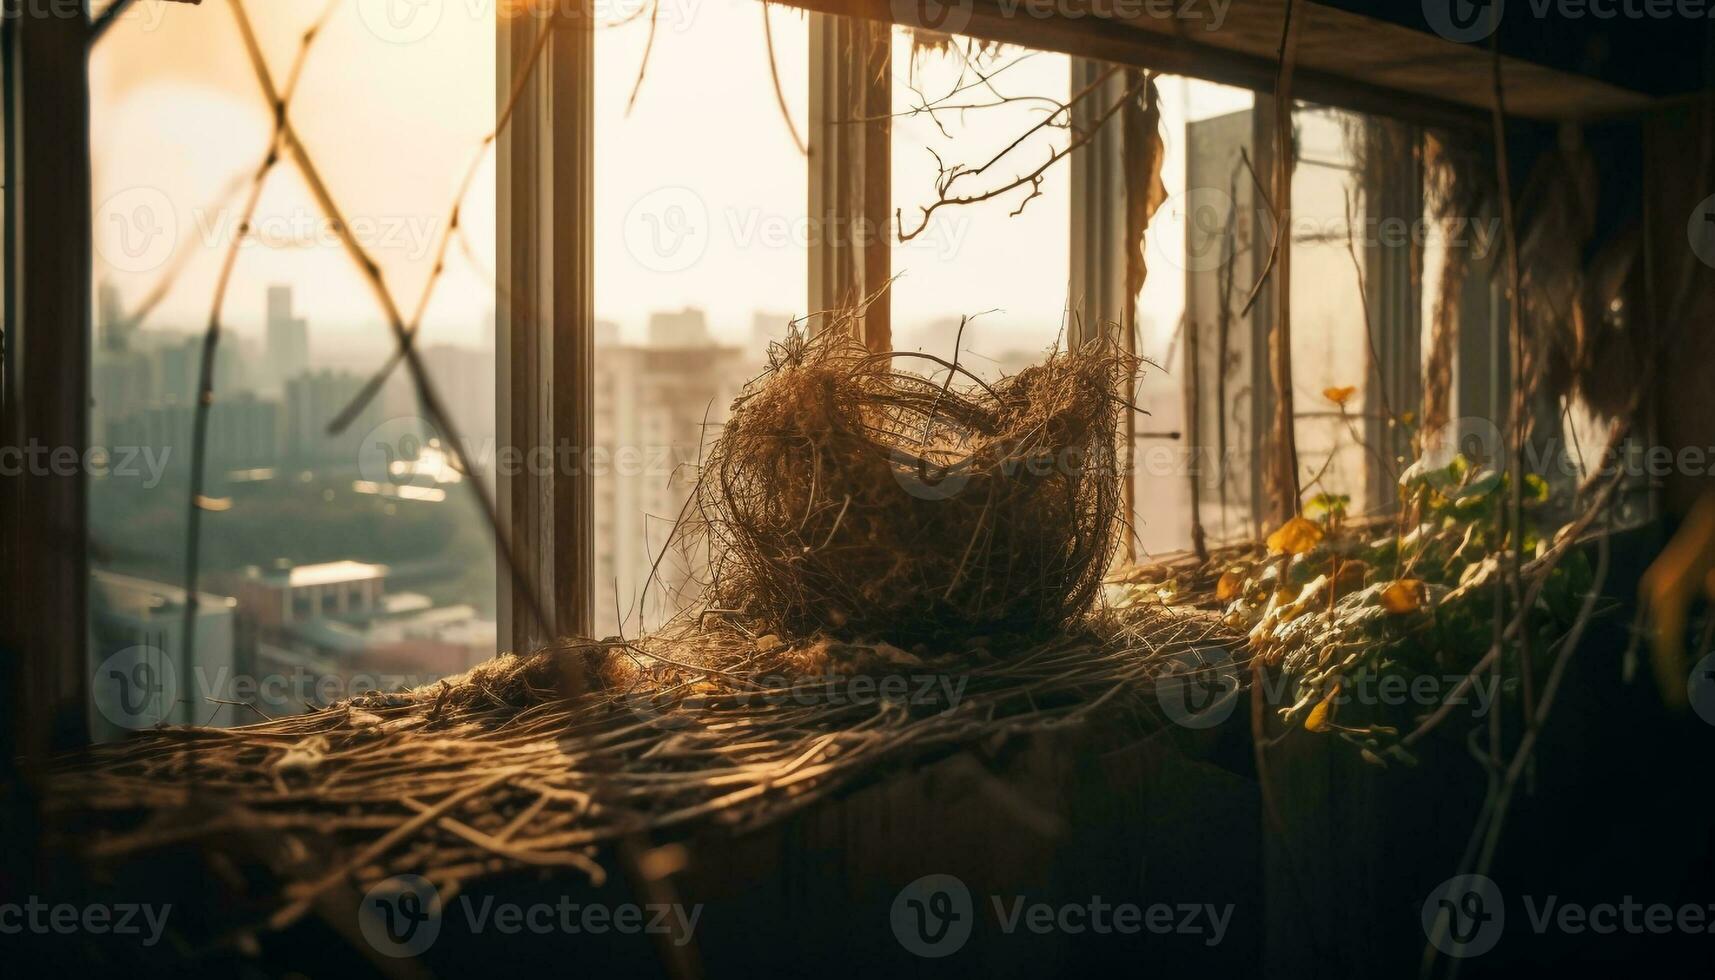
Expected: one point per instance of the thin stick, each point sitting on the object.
(372, 387)
(1285, 436)
(211, 343)
(427, 395)
(1033, 178)
(98, 28)
(648, 47)
(780, 93)
(1274, 241)
(1515, 324)
(500, 848)
(296, 909)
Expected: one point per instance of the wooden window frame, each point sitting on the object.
(545, 298)
(545, 324)
(851, 171)
(544, 311)
(44, 390)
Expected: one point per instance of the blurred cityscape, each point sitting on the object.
(309, 571)
(332, 564)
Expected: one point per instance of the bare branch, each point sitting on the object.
(648, 46)
(948, 175)
(211, 337)
(779, 93)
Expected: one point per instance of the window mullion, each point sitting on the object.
(1097, 266)
(851, 172)
(1098, 207)
(44, 527)
(545, 325)
(1393, 198)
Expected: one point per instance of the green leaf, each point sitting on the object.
(1324, 505)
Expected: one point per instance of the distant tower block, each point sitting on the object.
(288, 337)
(112, 324)
(686, 328)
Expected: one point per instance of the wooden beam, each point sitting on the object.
(851, 170)
(1098, 243)
(545, 327)
(1394, 193)
(1098, 246)
(44, 412)
(1346, 60)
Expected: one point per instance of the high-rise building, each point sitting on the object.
(288, 337)
(464, 378)
(656, 409)
(113, 327)
(140, 678)
(312, 400)
(681, 329)
(121, 384)
(767, 328)
(243, 431)
(178, 368)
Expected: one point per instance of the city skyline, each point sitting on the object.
(314, 507)
(748, 189)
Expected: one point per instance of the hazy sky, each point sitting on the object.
(177, 118)
(701, 192)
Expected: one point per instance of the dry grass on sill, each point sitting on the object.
(497, 770)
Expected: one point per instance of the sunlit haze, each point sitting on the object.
(394, 125)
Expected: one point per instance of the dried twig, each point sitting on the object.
(779, 93)
(497, 770)
(427, 394)
(1285, 448)
(449, 229)
(1515, 326)
(280, 102)
(948, 176)
(648, 47)
(99, 26)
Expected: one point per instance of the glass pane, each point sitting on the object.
(1330, 344)
(1007, 268)
(701, 259)
(1202, 251)
(1207, 248)
(329, 564)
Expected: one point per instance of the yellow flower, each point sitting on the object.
(1339, 396)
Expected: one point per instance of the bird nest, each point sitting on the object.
(847, 495)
